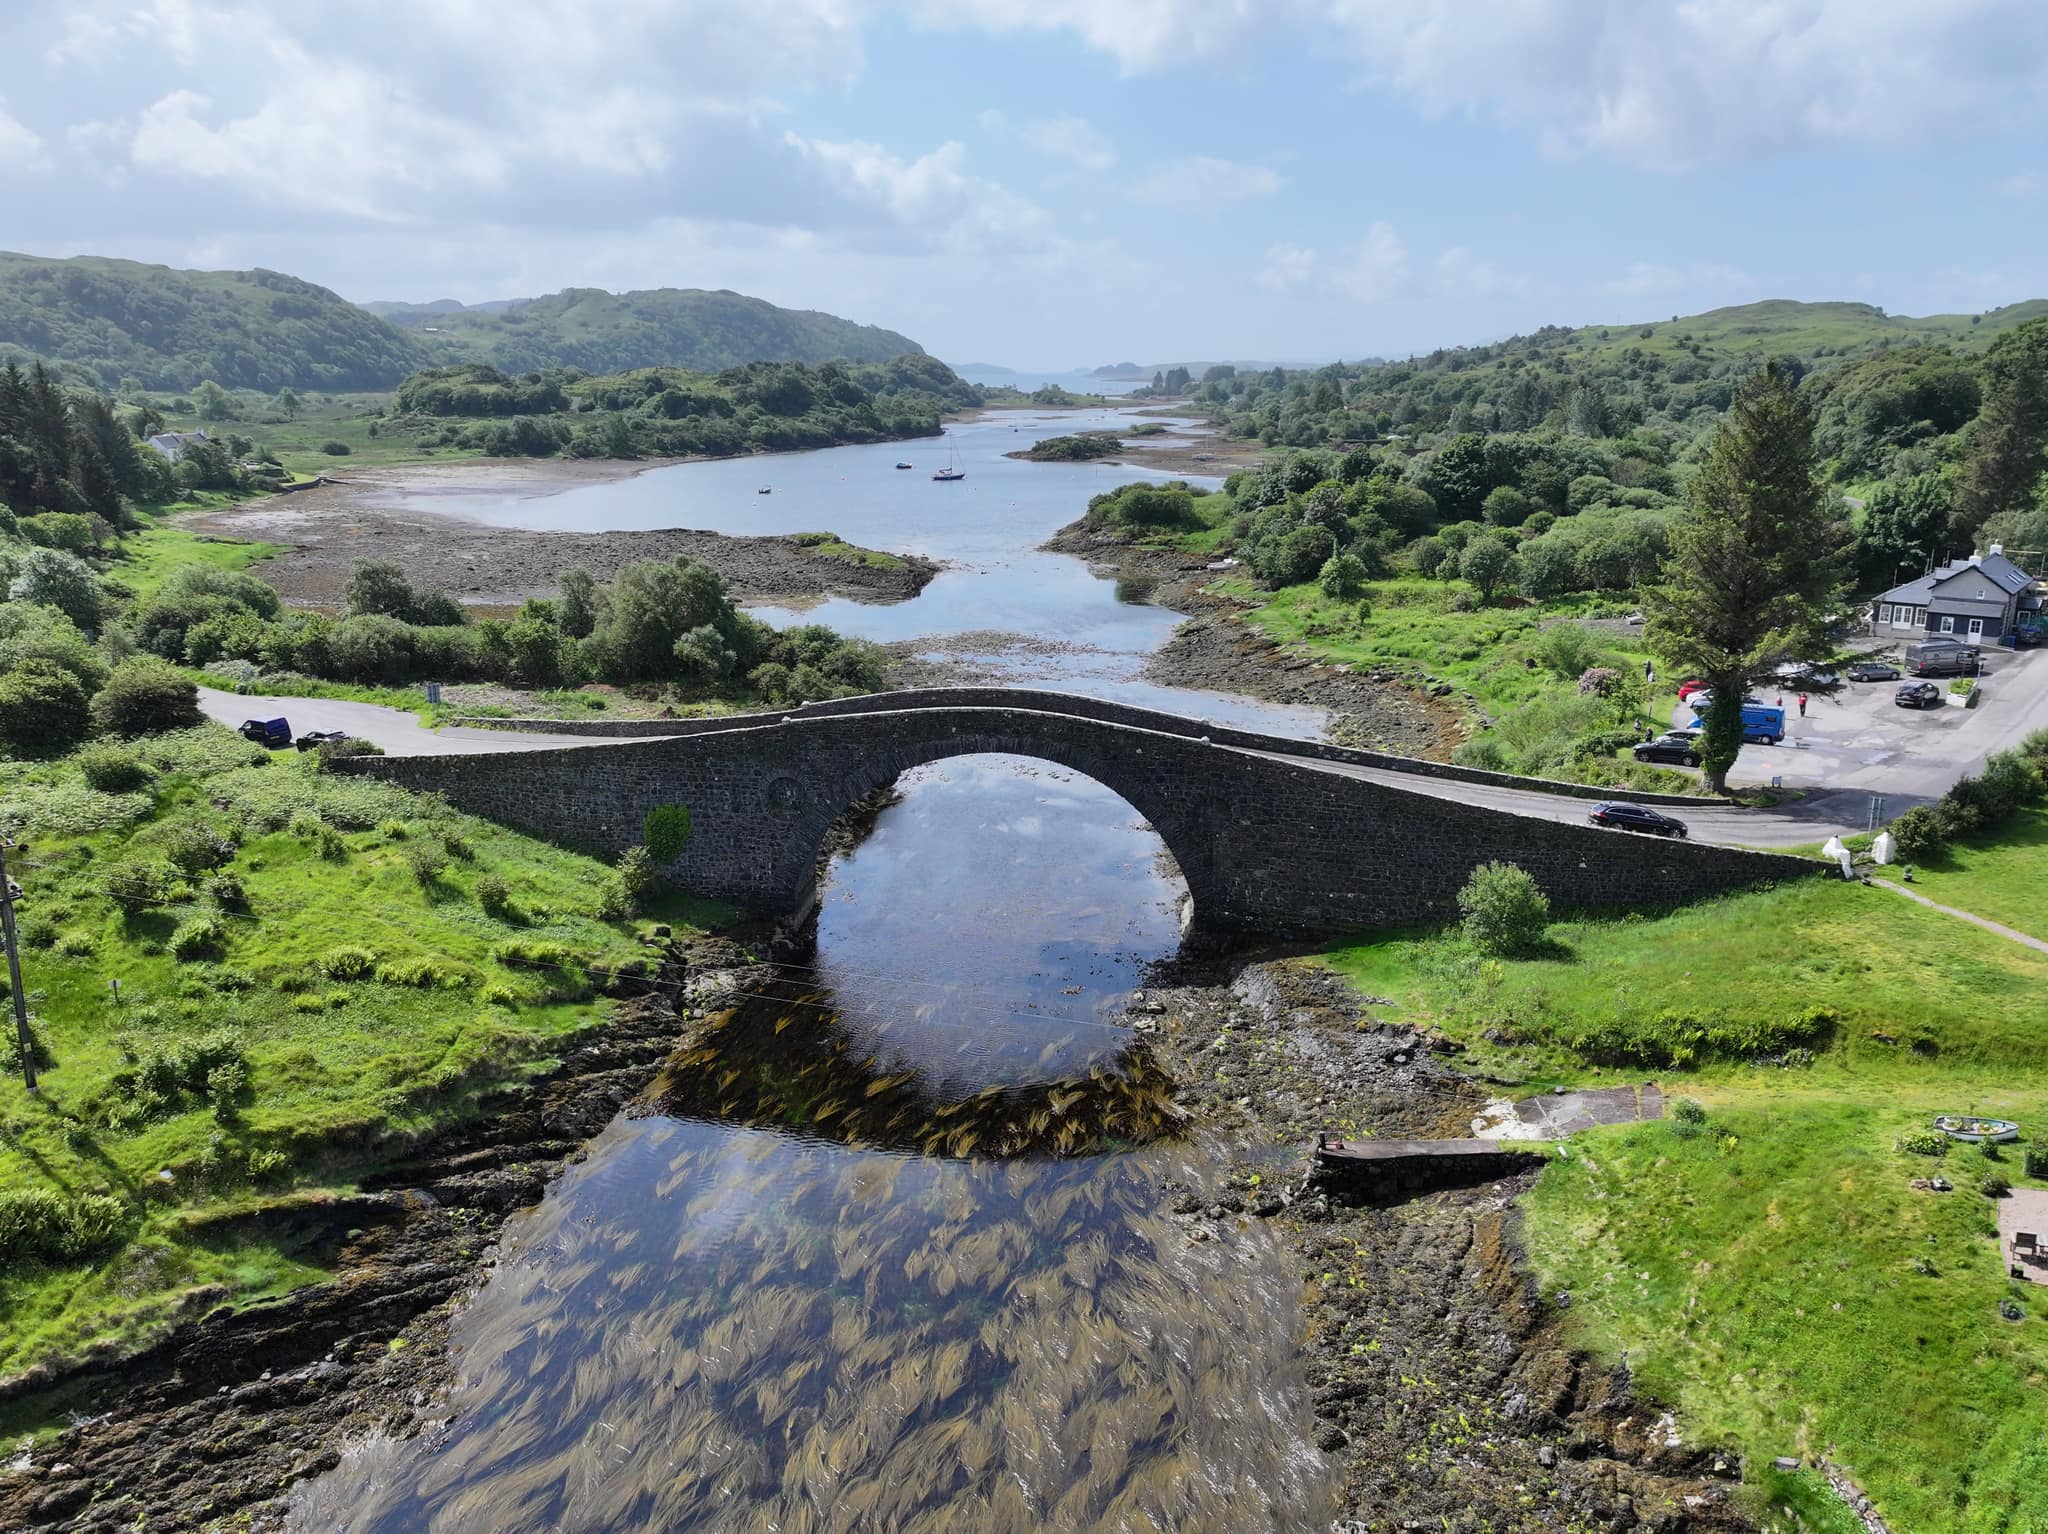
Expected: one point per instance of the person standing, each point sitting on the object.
(1802, 705)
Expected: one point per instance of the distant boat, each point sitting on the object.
(905, 464)
(765, 490)
(952, 470)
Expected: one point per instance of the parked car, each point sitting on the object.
(274, 733)
(1682, 749)
(1687, 689)
(1943, 657)
(1918, 695)
(1873, 671)
(316, 738)
(1623, 816)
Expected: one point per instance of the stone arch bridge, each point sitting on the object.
(1272, 835)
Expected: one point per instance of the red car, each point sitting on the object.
(1687, 689)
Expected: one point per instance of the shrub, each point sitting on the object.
(114, 769)
(37, 1223)
(1505, 912)
(1994, 1185)
(333, 845)
(665, 832)
(393, 830)
(226, 1085)
(638, 874)
(195, 848)
(198, 937)
(2036, 1160)
(145, 696)
(334, 449)
(1919, 832)
(340, 750)
(422, 973)
(493, 895)
(226, 891)
(75, 945)
(347, 963)
(1342, 576)
(43, 710)
(613, 903)
(1923, 1142)
(427, 859)
(1688, 1110)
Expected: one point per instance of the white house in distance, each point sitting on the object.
(172, 444)
(1985, 598)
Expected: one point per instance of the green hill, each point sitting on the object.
(106, 320)
(1672, 376)
(604, 332)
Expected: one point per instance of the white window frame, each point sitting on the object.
(1976, 628)
(1884, 613)
(1948, 623)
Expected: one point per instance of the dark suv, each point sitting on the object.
(1679, 749)
(1623, 816)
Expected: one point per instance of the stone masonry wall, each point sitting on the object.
(1265, 845)
(1085, 708)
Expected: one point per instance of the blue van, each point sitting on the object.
(1762, 723)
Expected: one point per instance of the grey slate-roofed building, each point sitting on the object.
(1983, 599)
(172, 444)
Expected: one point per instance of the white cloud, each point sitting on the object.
(1646, 279)
(1459, 272)
(1370, 272)
(21, 148)
(932, 193)
(1071, 138)
(1373, 270)
(1201, 181)
(1141, 35)
(1287, 268)
(2026, 183)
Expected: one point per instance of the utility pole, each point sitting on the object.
(26, 1040)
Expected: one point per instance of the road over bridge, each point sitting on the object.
(1272, 835)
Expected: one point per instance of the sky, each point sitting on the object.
(1052, 184)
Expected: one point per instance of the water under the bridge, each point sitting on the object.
(731, 1318)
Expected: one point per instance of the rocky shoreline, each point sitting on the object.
(1216, 652)
(379, 515)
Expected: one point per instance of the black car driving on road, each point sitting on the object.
(1918, 695)
(1872, 671)
(1683, 749)
(1623, 816)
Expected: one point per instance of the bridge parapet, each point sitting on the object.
(1277, 846)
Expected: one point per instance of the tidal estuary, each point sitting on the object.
(890, 1245)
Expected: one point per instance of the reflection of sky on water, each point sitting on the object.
(714, 1327)
(985, 528)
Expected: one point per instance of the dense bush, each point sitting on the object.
(665, 832)
(43, 710)
(1683, 1039)
(36, 1223)
(427, 859)
(347, 963)
(493, 895)
(144, 696)
(1923, 1142)
(336, 449)
(1506, 912)
(198, 937)
(114, 769)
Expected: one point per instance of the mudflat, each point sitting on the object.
(388, 514)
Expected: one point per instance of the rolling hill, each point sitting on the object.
(604, 332)
(168, 329)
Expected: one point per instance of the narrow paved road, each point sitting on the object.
(399, 733)
(1813, 819)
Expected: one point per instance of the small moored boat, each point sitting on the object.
(1961, 1126)
(905, 464)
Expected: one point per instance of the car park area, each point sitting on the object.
(1862, 738)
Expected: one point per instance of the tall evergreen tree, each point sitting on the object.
(1757, 565)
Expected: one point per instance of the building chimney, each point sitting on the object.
(1998, 548)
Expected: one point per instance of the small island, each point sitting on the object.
(1081, 447)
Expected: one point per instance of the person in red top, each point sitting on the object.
(1802, 705)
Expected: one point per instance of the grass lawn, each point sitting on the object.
(1773, 1275)
(149, 556)
(2004, 876)
(347, 1059)
(832, 546)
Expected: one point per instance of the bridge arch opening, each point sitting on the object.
(985, 916)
